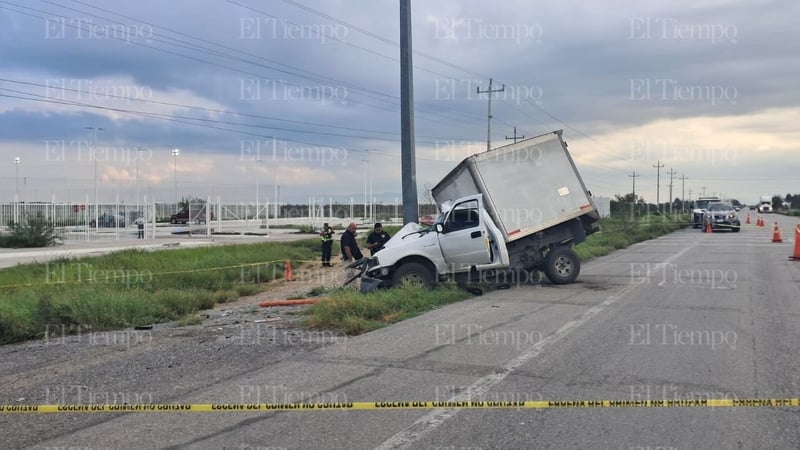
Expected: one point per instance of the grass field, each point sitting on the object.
(135, 287)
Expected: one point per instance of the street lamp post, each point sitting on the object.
(138, 157)
(366, 165)
(16, 178)
(94, 158)
(258, 183)
(175, 153)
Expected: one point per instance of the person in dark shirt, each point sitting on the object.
(350, 250)
(377, 239)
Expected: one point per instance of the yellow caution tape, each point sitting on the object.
(469, 404)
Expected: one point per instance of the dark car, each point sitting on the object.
(184, 216)
(108, 221)
(699, 210)
(721, 215)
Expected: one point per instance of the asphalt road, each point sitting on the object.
(686, 316)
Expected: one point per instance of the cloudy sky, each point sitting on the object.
(308, 90)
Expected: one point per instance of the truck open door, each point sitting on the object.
(463, 239)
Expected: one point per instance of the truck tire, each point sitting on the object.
(561, 265)
(173, 221)
(413, 272)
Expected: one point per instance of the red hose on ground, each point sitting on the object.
(300, 301)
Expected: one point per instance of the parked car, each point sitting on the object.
(108, 221)
(197, 216)
(721, 215)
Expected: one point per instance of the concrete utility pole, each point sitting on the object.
(704, 191)
(407, 149)
(658, 185)
(489, 122)
(671, 173)
(633, 177)
(683, 191)
(515, 137)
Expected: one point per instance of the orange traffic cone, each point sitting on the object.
(287, 270)
(708, 226)
(776, 233)
(747, 220)
(760, 221)
(796, 255)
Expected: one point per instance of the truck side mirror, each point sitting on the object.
(439, 228)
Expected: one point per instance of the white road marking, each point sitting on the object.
(433, 419)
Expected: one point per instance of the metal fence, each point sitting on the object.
(118, 221)
(84, 221)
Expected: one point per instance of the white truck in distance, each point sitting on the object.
(765, 204)
(506, 214)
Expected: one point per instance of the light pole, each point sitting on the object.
(138, 157)
(175, 153)
(371, 198)
(16, 178)
(94, 157)
(258, 182)
(366, 165)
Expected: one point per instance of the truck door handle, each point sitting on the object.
(475, 234)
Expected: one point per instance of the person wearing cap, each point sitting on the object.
(377, 239)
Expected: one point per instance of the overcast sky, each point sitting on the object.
(309, 90)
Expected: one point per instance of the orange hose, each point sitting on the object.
(300, 301)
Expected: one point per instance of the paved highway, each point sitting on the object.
(683, 317)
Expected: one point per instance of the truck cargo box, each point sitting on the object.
(527, 186)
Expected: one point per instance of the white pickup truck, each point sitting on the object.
(506, 214)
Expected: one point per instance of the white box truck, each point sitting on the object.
(765, 204)
(509, 212)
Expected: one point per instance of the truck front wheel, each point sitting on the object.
(562, 265)
(413, 272)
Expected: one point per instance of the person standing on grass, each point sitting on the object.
(350, 250)
(377, 239)
(327, 244)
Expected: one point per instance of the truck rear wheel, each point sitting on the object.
(562, 266)
(413, 272)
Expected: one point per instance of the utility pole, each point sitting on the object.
(515, 137)
(683, 192)
(704, 191)
(658, 166)
(633, 177)
(671, 173)
(489, 121)
(408, 167)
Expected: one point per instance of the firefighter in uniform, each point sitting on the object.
(326, 235)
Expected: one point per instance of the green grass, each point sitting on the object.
(135, 287)
(351, 312)
(617, 233)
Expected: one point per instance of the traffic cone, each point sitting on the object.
(760, 221)
(747, 220)
(708, 226)
(796, 255)
(776, 233)
(287, 271)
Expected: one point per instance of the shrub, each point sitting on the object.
(32, 231)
